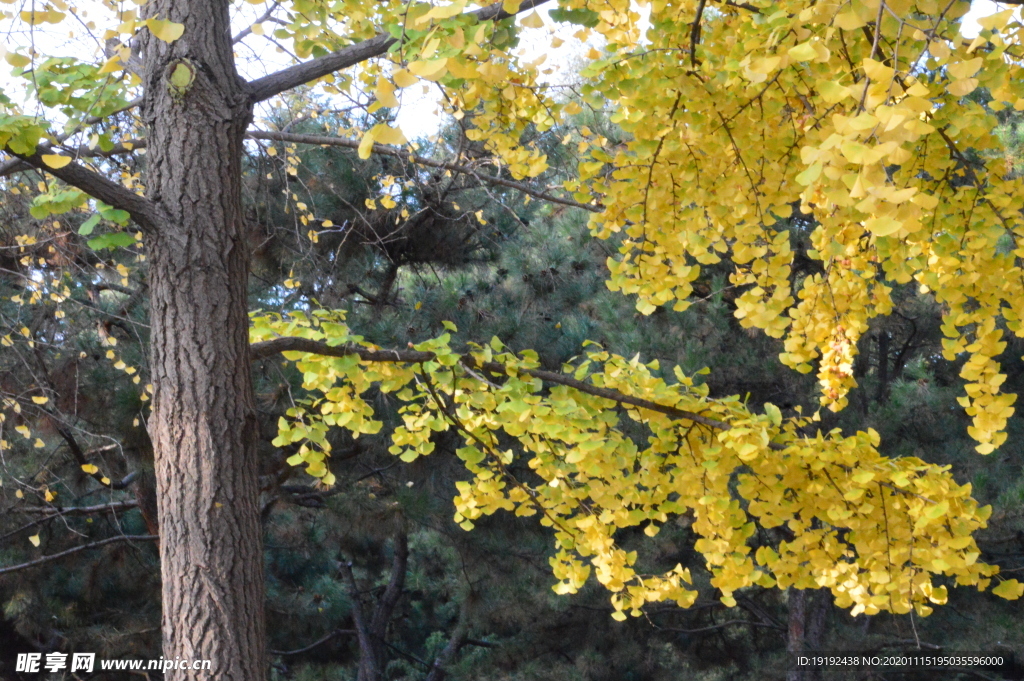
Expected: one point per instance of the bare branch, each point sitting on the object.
(715, 627)
(381, 149)
(389, 599)
(397, 152)
(52, 512)
(266, 15)
(94, 545)
(308, 71)
(56, 511)
(367, 651)
(314, 644)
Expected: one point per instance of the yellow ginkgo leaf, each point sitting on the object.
(883, 226)
(56, 161)
(403, 78)
(112, 65)
(1009, 589)
(34, 539)
(39, 399)
(165, 30)
(385, 93)
(533, 20)
(385, 134)
(17, 60)
(90, 468)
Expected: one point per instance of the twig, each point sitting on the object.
(314, 644)
(62, 554)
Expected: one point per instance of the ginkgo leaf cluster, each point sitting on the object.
(830, 511)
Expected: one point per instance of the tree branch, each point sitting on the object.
(80, 457)
(314, 644)
(16, 164)
(386, 150)
(382, 149)
(367, 650)
(715, 627)
(266, 349)
(56, 511)
(308, 71)
(266, 15)
(389, 599)
(438, 670)
(94, 545)
(143, 211)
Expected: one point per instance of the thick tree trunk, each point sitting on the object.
(203, 422)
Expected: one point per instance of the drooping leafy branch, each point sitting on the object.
(828, 510)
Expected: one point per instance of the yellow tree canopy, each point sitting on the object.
(872, 118)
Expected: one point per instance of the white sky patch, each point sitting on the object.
(979, 10)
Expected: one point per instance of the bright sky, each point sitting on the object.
(979, 9)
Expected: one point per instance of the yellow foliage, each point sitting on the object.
(873, 530)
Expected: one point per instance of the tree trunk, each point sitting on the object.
(808, 612)
(203, 424)
(797, 625)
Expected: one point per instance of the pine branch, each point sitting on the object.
(438, 670)
(389, 599)
(367, 651)
(308, 71)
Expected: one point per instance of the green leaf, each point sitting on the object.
(182, 76)
(580, 17)
(111, 241)
(113, 214)
(89, 225)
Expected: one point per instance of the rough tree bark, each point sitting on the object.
(203, 421)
